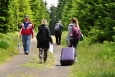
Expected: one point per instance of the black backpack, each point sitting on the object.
(41, 35)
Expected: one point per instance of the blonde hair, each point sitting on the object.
(44, 21)
(75, 21)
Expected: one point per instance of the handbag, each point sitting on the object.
(81, 36)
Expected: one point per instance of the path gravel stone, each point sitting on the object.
(14, 67)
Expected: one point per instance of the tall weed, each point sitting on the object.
(107, 51)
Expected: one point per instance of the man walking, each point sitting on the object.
(58, 32)
(26, 32)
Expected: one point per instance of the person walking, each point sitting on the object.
(26, 32)
(43, 39)
(58, 32)
(71, 42)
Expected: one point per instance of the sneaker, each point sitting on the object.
(27, 53)
(40, 61)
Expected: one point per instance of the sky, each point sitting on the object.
(51, 2)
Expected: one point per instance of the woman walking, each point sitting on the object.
(43, 39)
(70, 40)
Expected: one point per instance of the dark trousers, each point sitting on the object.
(58, 39)
(74, 44)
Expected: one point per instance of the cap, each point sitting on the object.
(59, 21)
(26, 16)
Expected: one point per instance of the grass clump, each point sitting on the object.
(4, 44)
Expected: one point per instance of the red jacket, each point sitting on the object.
(28, 30)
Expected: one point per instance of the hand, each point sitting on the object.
(51, 43)
(68, 45)
(32, 37)
(20, 37)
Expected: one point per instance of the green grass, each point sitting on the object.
(8, 46)
(34, 62)
(94, 60)
(23, 75)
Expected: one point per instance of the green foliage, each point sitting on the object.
(92, 15)
(4, 44)
(12, 13)
(53, 19)
(68, 12)
(4, 16)
(64, 35)
(107, 51)
(8, 46)
(40, 11)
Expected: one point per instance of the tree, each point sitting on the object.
(96, 18)
(12, 13)
(4, 16)
(53, 18)
(39, 11)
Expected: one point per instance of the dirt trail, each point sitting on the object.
(14, 67)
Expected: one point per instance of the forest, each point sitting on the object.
(96, 53)
(96, 18)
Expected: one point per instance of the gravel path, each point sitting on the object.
(14, 67)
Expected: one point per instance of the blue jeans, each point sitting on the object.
(26, 42)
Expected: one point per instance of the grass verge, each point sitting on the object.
(96, 60)
(8, 46)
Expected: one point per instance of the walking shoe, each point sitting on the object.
(40, 61)
(27, 53)
(44, 61)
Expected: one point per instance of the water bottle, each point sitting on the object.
(18, 45)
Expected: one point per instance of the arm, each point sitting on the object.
(20, 32)
(32, 33)
(61, 26)
(69, 34)
(49, 36)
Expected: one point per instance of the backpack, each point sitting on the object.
(57, 27)
(41, 35)
(26, 24)
(75, 33)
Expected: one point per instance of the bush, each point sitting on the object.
(4, 44)
(107, 51)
